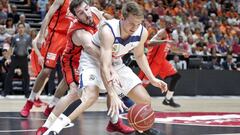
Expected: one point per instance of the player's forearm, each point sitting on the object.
(155, 42)
(144, 66)
(93, 50)
(106, 78)
(178, 50)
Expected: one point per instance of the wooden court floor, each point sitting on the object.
(171, 121)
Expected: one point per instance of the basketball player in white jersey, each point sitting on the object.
(116, 38)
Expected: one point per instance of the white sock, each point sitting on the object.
(59, 124)
(114, 119)
(169, 95)
(32, 96)
(54, 101)
(50, 120)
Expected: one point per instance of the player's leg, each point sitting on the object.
(61, 105)
(60, 91)
(56, 52)
(168, 71)
(89, 96)
(135, 91)
(40, 82)
(115, 123)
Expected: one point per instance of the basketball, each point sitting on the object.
(141, 117)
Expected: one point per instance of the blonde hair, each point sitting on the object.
(131, 7)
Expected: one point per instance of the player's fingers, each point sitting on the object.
(109, 110)
(113, 111)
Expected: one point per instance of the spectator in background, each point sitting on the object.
(19, 59)
(10, 27)
(176, 33)
(6, 6)
(3, 69)
(3, 15)
(222, 47)
(211, 44)
(195, 23)
(22, 19)
(3, 34)
(228, 64)
(214, 64)
(209, 34)
(42, 7)
(178, 64)
(14, 15)
(182, 45)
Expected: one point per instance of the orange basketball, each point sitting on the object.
(141, 117)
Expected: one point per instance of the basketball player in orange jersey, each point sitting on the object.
(52, 39)
(79, 36)
(161, 43)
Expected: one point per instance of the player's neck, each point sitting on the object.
(124, 35)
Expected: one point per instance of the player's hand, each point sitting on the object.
(115, 105)
(115, 78)
(160, 84)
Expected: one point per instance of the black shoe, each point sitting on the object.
(170, 102)
(149, 132)
(3, 94)
(52, 133)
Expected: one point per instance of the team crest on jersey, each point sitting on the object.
(115, 49)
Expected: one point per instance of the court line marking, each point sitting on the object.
(20, 118)
(17, 131)
(223, 134)
(24, 130)
(185, 124)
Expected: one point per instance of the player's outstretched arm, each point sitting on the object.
(84, 38)
(107, 40)
(158, 39)
(143, 64)
(55, 6)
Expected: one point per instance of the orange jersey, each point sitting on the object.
(71, 54)
(158, 63)
(61, 18)
(159, 52)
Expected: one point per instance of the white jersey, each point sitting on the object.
(128, 78)
(120, 46)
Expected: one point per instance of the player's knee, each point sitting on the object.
(90, 98)
(46, 72)
(176, 76)
(146, 100)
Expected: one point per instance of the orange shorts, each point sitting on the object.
(53, 48)
(163, 69)
(70, 70)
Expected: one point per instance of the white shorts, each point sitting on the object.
(128, 80)
(91, 77)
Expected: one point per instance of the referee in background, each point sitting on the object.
(18, 59)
